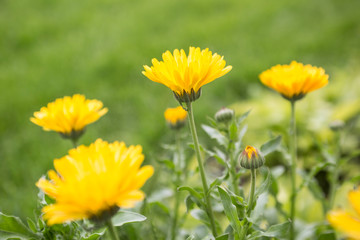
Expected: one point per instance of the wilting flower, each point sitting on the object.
(175, 117)
(185, 75)
(94, 182)
(294, 81)
(69, 115)
(346, 222)
(251, 158)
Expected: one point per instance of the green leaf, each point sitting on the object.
(230, 210)
(271, 145)
(223, 237)
(275, 231)
(13, 227)
(243, 116)
(93, 236)
(189, 202)
(32, 225)
(233, 129)
(215, 134)
(264, 185)
(191, 237)
(168, 163)
(201, 216)
(123, 217)
(197, 196)
(162, 206)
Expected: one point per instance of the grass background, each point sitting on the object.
(49, 49)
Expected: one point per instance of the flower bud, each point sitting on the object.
(251, 158)
(175, 117)
(224, 115)
(337, 125)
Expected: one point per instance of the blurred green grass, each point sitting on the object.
(50, 49)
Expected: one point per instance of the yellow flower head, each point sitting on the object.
(294, 81)
(69, 115)
(344, 221)
(185, 75)
(93, 182)
(175, 117)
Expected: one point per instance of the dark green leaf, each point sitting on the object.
(123, 217)
(270, 146)
(13, 227)
(223, 237)
(230, 210)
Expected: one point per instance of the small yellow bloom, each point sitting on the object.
(175, 117)
(251, 158)
(93, 182)
(69, 114)
(185, 75)
(294, 81)
(344, 221)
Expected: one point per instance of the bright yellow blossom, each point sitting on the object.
(185, 75)
(346, 222)
(69, 114)
(294, 81)
(93, 182)
(175, 117)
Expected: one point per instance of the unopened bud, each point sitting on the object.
(337, 125)
(251, 158)
(224, 115)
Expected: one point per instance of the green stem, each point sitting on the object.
(232, 169)
(293, 169)
(250, 202)
(74, 142)
(201, 169)
(112, 230)
(335, 174)
(178, 169)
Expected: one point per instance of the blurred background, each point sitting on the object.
(50, 49)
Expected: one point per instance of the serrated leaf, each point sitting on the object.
(13, 227)
(230, 210)
(215, 134)
(123, 217)
(271, 145)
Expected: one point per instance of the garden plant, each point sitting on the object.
(226, 189)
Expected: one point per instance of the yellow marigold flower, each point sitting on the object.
(346, 222)
(93, 182)
(69, 115)
(185, 75)
(294, 81)
(175, 117)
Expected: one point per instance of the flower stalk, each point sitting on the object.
(293, 150)
(335, 173)
(201, 169)
(178, 171)
(112, 230)
(250, 202)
